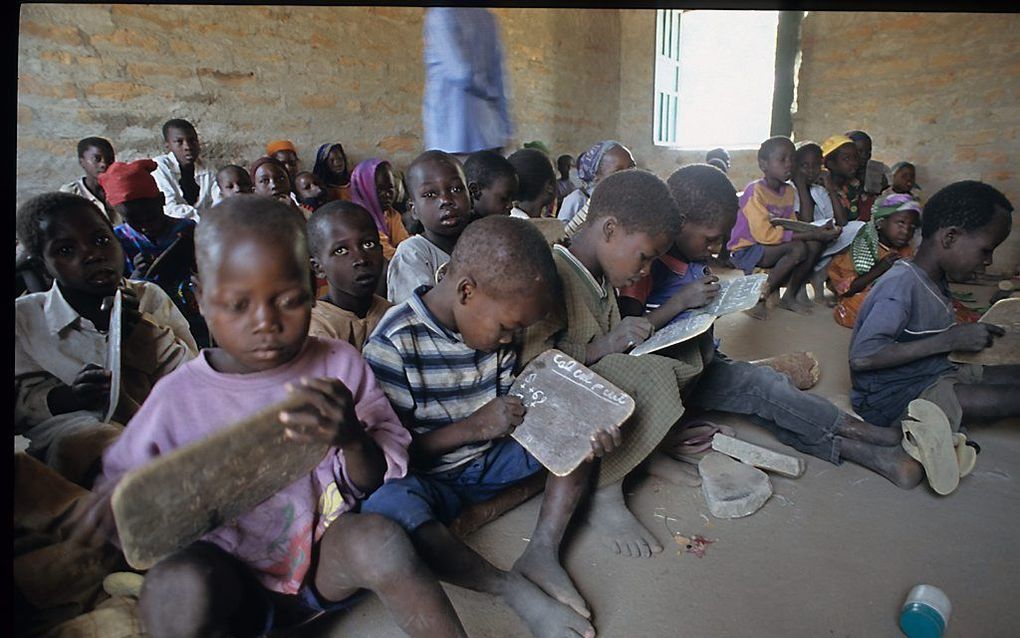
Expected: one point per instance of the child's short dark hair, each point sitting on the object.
(638, 200)
(717, 153)
(804, 148)
(441, 157)
(319, 220)
(770, 145)
(253, 216)
(34, 212)
(703, 193)
(858, 136)
(485, 167)
(102, 144)
(534, 170)
(968, 205)
(563, 162)
(506, 257)
(179, 124)
(231, 167)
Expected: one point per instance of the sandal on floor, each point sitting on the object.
(928, 439)
(694, 440)
(966, 454)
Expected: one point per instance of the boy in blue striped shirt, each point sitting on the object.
(445, 359)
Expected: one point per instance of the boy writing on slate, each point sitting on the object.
(680, 281)
(907, 324)
(445, 360)
(302, 551)
(492, 183)
(632, 219)
(60, 336)
(345, 249)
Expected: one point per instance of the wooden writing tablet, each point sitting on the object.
(180, 497)
(1005, 350)
(566, 404)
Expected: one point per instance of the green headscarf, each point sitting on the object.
(864, 248)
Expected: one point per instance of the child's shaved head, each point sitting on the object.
(506, 257)
(341, 211)
(703, 193)
(430, 157)
(250, 217)
(638, 200)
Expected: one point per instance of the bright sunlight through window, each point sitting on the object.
(714, 78)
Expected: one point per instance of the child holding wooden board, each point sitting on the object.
(445, 360)
(680, 281)
(302, 551)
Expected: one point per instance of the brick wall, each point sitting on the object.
(940, 90)
(248, 74)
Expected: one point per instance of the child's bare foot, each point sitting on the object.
(621, 532)
(794, 305)
(545, 617)
(676, 472)
(541, 565)
(802, 296)
(853, 428)
(891, 462)
(759, 311)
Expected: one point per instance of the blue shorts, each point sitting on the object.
(747, 259)
(419, 498)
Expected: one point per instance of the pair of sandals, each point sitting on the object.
(947, 456)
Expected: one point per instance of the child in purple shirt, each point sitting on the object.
(302, 551)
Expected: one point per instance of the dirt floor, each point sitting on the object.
(832, 553)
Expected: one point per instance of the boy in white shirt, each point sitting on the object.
(187, 183)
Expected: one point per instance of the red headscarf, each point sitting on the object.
(128, 181)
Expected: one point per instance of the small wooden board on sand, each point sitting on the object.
(1005, 350)
(180, 497)
(566, 404)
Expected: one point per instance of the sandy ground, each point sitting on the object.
(832, 553)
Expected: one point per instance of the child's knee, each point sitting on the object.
(185, 588)
(798, 250)
(378, 549)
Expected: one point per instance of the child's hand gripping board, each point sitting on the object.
(566, 404)
(1005, 350)
(736, 294)
(180, 497)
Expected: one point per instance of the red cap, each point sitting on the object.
(128, 181)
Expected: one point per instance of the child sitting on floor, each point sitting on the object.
(61, 374)
(270, 179)
(536, 190)
(302, 550)
(157, 247)
(564, 185)
(757, 242)
(445, 360)
(440, 201)
(906, 326)
(188, 185)
(884, 239)
(372, 187)
(680, 281)
(331, 167)
(594, 165)
(492, 183)
(632, 220)
(285, 153)
(310, 191)
(839, 155)
(233, 180)
(904, 179)
(344, 244)
(95, 155)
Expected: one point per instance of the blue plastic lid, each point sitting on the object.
(921, 621)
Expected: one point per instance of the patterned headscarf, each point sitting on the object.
(864, 248)
(363, 191)
(588, 163)
(321, 168)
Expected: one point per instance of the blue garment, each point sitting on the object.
(431, 377)
(417, 499)
(465, 103)
(904, 305)
(666, 282)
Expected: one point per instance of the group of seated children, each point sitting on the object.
(405, 370)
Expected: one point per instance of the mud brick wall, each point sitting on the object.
(249, 74)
